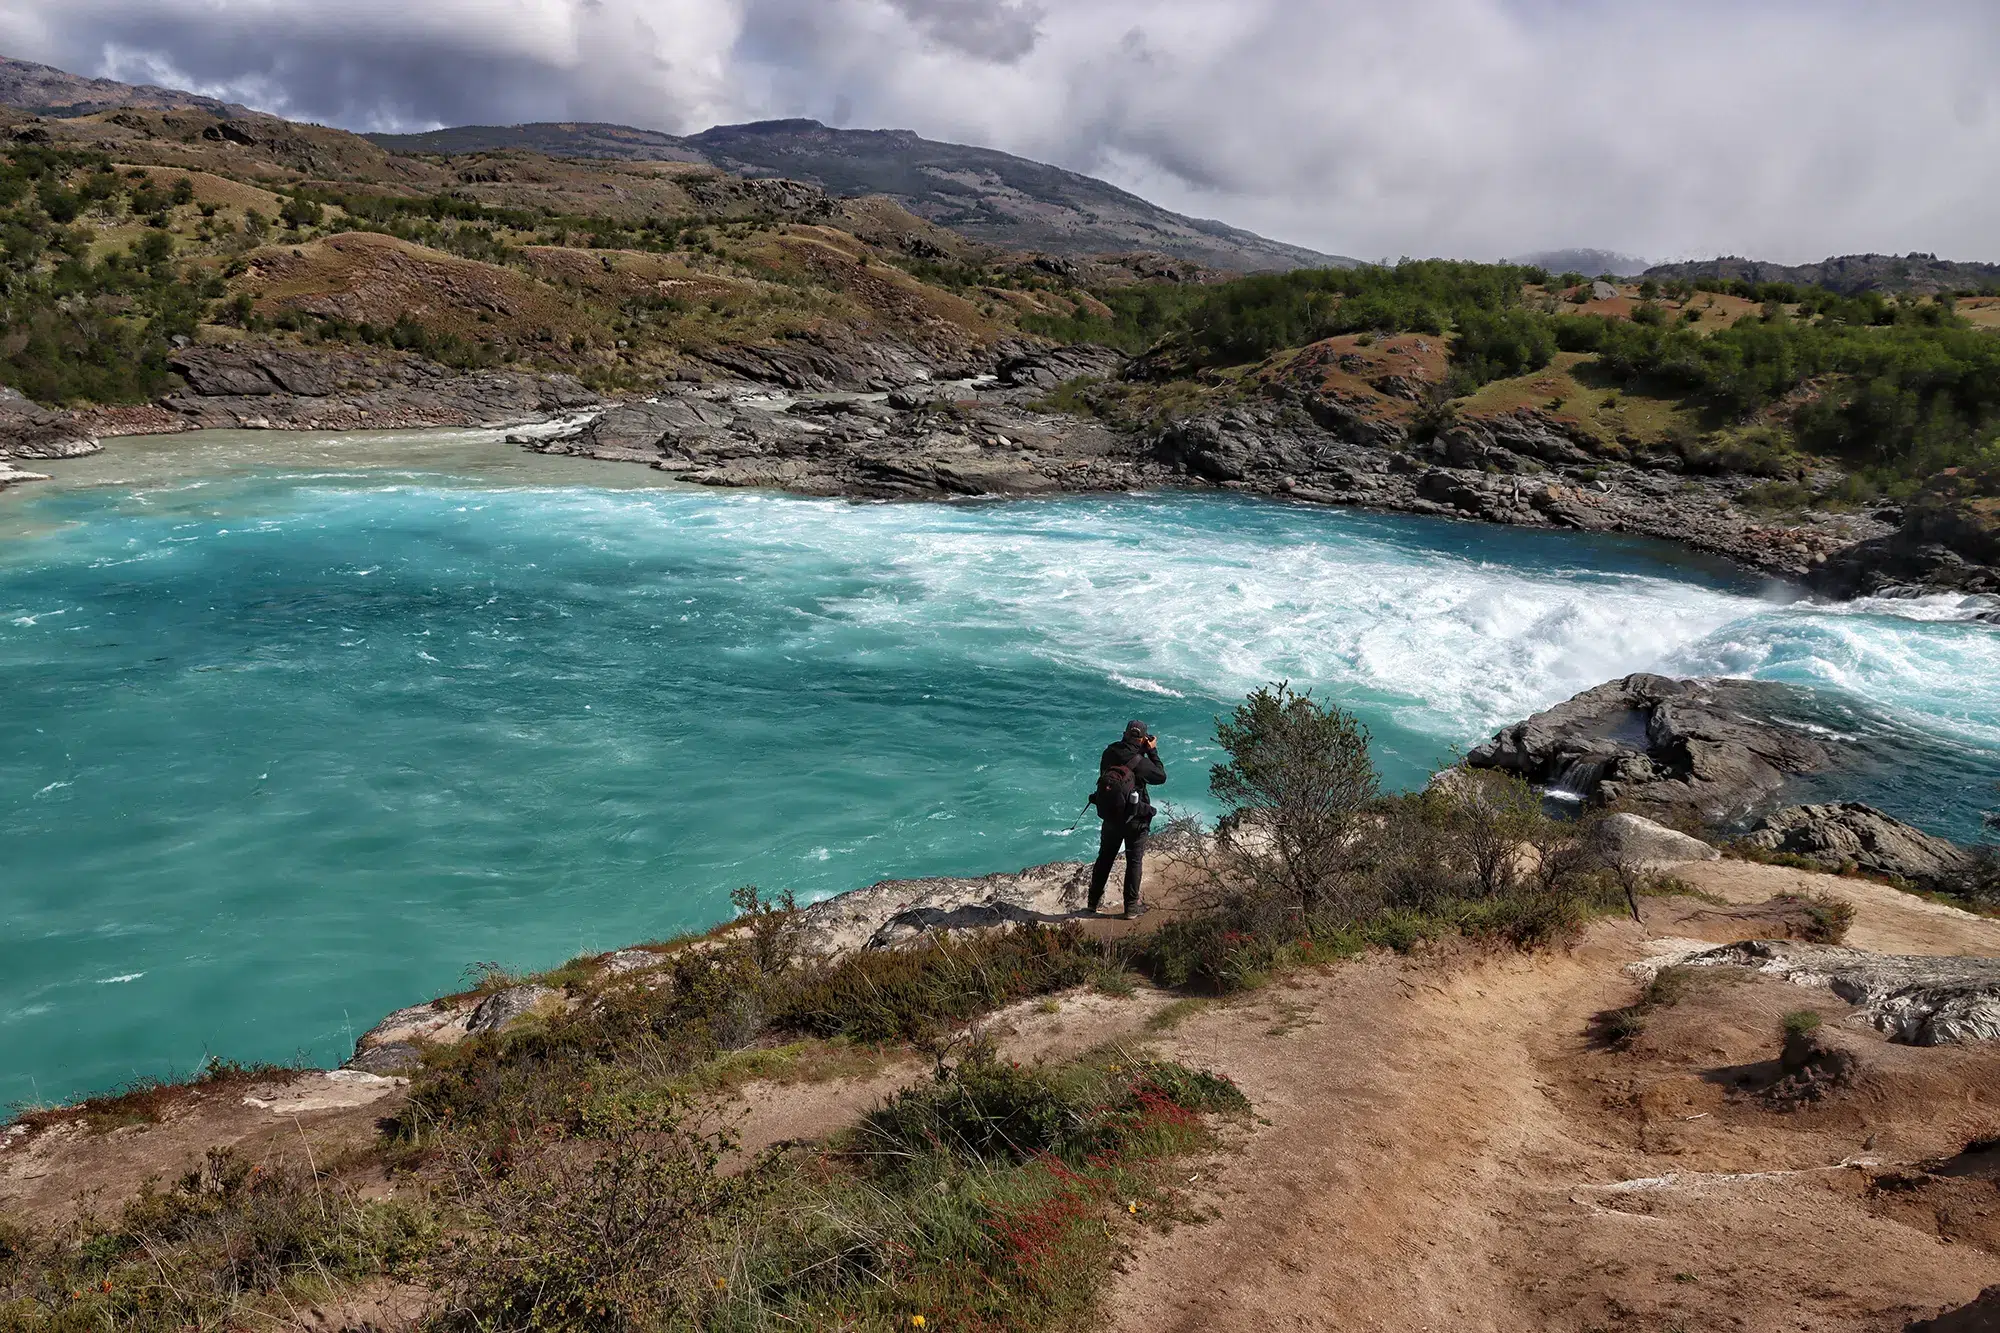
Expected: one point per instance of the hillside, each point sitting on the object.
(1848, 274)
(987, 195)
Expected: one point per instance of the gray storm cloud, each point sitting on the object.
(1787, 129)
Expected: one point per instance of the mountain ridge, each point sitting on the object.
(982, 193)
(1850, 275)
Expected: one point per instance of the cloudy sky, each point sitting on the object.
(1783, 129)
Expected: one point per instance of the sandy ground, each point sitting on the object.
(1452, 1149)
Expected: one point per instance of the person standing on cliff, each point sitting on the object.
(1128, 766)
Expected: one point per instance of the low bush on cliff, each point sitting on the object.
(222, 1241)
(1310, 861)
(984, 1198)
(725, 995)
(995, 1197)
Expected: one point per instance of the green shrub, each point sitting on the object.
(603, 1221)
(1826, 918)
(1801, 1023)
(880, 994)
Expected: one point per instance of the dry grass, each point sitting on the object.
(210, 188)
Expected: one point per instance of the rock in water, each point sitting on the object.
(1848, 835)
(1661, 746)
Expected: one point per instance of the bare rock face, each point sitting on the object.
(1979, 1316)
(917, 442)
(1949, 538)
(271, 386)
(1847, 834)
(1658, 745)
(1917, 1000)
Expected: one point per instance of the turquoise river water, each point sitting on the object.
(293, 730)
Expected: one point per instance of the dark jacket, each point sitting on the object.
(1144, 763)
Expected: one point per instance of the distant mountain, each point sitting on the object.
(1919, 273)
(1590, 263)
(48, 91)
(555, 139)
(978, 192)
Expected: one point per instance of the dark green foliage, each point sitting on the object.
(1310, 863)
(1499, 344)
(598, 1220)
(986, 1110)
(877, 995)
(1249, 318)
(1297, 784)
(299, 212)
(1906, 399)
(76, 329)
(1826, 918)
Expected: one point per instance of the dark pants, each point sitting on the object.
(1109, 840)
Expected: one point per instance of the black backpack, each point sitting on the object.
(1117, 796)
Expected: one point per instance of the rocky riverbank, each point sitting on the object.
(268, 386)
(996, 435)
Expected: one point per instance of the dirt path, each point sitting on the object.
(1448, 1149)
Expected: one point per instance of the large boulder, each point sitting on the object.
(1848, 835)
(1050, 367)
(1634, 840)
(1659, 746)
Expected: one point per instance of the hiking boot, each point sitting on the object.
(1134, 913)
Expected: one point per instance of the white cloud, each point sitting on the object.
(1786, 129)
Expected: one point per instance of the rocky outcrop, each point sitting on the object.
(509, 1006)
(1948, 539)
(1655, 745)
(1522, 468)
(1850, 836)
(269, 386)
(1918, 1000)
(834, 362)
(898, 911)
(1048, 368)
(31, 431)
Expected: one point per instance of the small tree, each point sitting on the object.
(1297, 785)
(299, 214)
(1493, 817)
